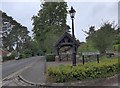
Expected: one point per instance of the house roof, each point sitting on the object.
(66, 35)
(4, 52)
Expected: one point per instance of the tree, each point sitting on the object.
(19, 35)
(117, 38)
(116, 44)
(50, 24)
(7, 27)
(14, 35)
(90, 33)
(31, 48)
(103, 38)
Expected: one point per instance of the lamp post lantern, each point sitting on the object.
(72, 15)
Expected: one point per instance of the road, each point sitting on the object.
(10, 67)
(36, 72)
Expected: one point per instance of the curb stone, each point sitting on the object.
(19, 82)
(25, 81)
(79, 83)
(12, 79)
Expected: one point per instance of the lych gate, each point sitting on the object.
(66, 40)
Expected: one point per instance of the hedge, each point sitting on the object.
(11, 57)
(117, 47)
(50, 57)
(22, 56)
(90, 70)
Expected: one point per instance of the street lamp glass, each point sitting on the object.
(72, 12)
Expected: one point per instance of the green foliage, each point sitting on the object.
(49, 24)
(50, 57)
(11, 57)
(87, 47)
(31, 48)
(22, 56)
(13, 34)
(90, 70)
(102, 38)
(117, 38)
(117, 47)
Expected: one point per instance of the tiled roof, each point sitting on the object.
(3, 52)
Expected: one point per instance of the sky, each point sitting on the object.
(88, 13)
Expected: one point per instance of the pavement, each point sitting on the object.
(35, 74)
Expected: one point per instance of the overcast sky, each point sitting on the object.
(87, 13)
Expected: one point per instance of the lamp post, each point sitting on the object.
(72, 14)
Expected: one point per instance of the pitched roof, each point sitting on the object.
(68, 36)
(4, 52)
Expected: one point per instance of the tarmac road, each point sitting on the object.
(35, 73)
(10, 67)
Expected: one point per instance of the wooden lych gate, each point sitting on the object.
(66, 41)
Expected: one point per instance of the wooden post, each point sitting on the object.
(73, 55)
(57, 58)
(45, 66)
(83, 59)
(97, 58)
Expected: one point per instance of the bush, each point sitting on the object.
(90, 70)
(50, 57)
(11, 57)
(117, 47)
(22, 56)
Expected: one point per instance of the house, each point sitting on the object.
(4, 53)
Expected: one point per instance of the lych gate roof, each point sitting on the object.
(66, 39)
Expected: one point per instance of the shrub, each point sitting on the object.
(117, 47)
(90, 70)
(22, 56)
(50, 57)
(11, 57)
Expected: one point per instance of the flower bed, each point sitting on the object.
(90, 70)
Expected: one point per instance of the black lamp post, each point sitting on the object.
(72, 14)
